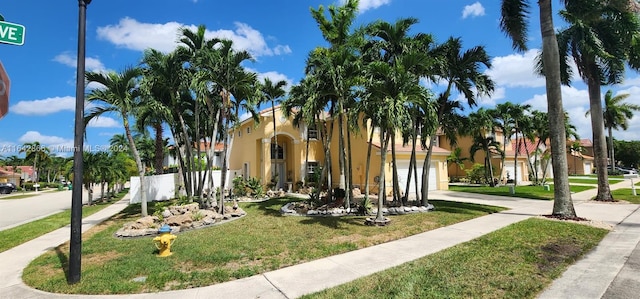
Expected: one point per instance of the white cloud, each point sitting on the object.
(91, 64)
(516, 70)
(45, 106)
(56, 145)
(487, 101)
(134, 35)
(275, 77)
(576, 104)
(473, 10)
(103, 122)
(365, 5)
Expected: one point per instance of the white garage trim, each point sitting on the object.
(403, 172)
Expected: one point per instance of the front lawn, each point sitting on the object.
(627, 195)
(259, 242)
(593, 181)
(518, 261)
(532, 192)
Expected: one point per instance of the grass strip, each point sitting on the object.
(592, 181)
(627, 195)
(15, 236)
(261, 241)
(531, 192)
(517, 261)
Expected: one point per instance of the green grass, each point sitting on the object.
(20, 234)
(17, 196)
(259, 242)
(627, 195)
(593, 181)
(518, 261)
(531, 192)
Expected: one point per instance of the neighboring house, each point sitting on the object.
(255, 153)
(505, 174)
(580, 162)
(16, 175)
(171, 160)
(8, 176)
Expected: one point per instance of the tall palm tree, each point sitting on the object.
(119, 95)
(387, 42)
(456, 158)
(616, 115)
(462, 72)
(273, 92)
(599, 37)
(514, 22)
(511, 118)
(164, 87)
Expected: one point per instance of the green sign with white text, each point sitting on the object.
(11, 33)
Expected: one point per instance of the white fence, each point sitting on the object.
(163, 187)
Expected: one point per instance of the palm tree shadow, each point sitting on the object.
(461, 208)
(269, 207)
(335, 222)
(64, 261)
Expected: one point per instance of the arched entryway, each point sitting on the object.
(281, 161)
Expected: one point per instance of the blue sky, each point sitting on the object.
(279, 33)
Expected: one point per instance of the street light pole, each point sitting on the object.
(75, 246)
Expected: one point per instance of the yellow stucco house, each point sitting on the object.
(255, 154)
(513, 169)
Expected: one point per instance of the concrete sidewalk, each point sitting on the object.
(295, 281)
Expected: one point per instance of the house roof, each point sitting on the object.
(407, 149)
(8, 170)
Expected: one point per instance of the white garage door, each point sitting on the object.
(508, 171)
(403, 172)
(587, 167)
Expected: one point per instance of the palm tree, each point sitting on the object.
(272, 93)
(599, 37)
(615, 115)
(164, 87)
(514, 22)
(461, 71)
(482, 131)
(510, 119)
(387, 43)
(120, 95)
(456, 158)
(36, 153)
(340, 68)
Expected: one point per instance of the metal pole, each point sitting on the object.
(75, 247)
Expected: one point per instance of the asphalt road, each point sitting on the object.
(14, 212)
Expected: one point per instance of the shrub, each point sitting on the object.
(476, 174)
(255, 186)
(239, 186)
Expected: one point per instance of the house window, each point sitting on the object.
(248, 130)
(312, 132)
(277, 152)
(312, 167)
(239, 133)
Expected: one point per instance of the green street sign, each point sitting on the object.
(11, 33)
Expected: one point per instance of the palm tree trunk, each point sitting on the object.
(562, 204)
(141, 170)
(274, 147)
(515, 162)
(412, 161)
(341, 155)
(159, 156)
(599, 142)
(382, 193)
(611, 155)
(349, 193)
(367, 166)
(426, 165)
(189, 155)
(394, 169)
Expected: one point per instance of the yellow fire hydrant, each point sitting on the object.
(164, 241)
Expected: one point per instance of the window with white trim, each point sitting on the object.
(312, 132)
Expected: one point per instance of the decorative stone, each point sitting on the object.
(166, 213)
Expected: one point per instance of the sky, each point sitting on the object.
(278, 33)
